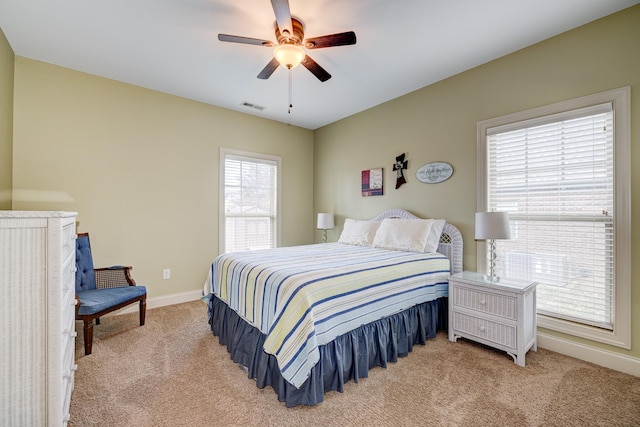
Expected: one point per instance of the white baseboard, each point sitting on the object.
(162, 301)
(608, 359)
(174, 299)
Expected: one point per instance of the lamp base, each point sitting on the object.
(491, 276)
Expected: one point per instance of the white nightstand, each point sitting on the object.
(499, 314)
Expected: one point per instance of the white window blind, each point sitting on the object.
(555, 177)
(250, 188)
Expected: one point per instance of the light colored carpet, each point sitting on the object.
(173, 372)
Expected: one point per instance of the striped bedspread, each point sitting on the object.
(302, 297)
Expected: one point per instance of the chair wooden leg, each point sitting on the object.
(88, 336)
(143, 310)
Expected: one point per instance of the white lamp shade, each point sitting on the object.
(325, 221)
(492, 225)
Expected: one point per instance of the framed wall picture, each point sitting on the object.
(372, 182)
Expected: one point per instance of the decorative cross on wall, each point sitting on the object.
(401, 164)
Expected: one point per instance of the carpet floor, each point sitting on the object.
(173, 372)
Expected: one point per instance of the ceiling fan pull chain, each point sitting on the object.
(290, 91)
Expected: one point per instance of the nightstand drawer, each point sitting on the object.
(498, 333)
(486, 302)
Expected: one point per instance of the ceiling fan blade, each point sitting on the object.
(339, 39)
(316, 69)
(244, 40)
(269, 69)
(283, 16)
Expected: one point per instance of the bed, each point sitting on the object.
(307, 319)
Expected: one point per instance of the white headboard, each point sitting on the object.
(450, 240)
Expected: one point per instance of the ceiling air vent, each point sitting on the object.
(251, 105)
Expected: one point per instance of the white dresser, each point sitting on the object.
(500, 314)
(37, 320)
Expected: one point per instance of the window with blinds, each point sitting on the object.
(562, 173)
(554, 176)
(250, 201)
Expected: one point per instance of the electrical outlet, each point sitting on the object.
(166, 273)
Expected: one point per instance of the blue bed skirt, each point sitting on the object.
(348, 357)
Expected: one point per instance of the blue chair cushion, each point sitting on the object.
(95, 300)
(85, 276)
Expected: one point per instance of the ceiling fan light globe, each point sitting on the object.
(289, 55)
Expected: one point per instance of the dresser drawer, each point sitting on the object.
(68, 300)
(486, 302)
(505, 335)
(69, 326)
(68, 240)
(68, 359)
(69, 275)
(68, 369)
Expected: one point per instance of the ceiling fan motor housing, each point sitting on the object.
(296, 38)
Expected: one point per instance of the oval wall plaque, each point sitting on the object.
(434, 172)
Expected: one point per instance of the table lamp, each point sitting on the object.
(325, 222)
(491, 226)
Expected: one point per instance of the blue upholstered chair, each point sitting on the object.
(102, 290)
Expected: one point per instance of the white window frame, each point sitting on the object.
(620, 98)
(224, 152)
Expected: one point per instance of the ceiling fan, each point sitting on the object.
(289, 50)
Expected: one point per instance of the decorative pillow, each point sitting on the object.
(437, 225)
(409, 235)
(360, 233)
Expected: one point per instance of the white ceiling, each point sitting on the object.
(171, 45)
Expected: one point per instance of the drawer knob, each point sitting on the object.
(73, 269)
(482, 328)
(483, 302)
(74, 367)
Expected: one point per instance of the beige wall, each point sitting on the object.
(6, 121)
(141, 168)
(438, 123)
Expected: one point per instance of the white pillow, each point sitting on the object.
(360, 233)
(409, 235)
(435, 232)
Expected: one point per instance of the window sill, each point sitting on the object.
(619, 337)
